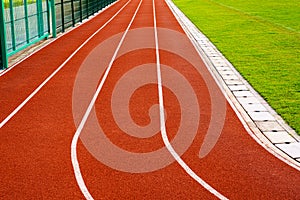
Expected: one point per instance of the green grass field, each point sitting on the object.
(262, 40)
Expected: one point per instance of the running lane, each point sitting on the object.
(34, 144)
(17, 84)
(121, 154)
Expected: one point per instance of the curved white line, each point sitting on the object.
(258, 137)
(56, 71)
(166, 141)
(74, 159)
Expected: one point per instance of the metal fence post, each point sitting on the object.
(12, 24)
(40, 20)
(80, 5)
(53, 18)
(73, 13)
(3, 50)
(62, 15)
(26, 21)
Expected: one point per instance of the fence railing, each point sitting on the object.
(70, 12)
(25, 22)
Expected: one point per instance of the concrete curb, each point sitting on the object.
(260, 120)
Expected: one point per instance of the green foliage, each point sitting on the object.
(17, 2)
(262, 40)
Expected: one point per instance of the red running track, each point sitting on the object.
(120, 152)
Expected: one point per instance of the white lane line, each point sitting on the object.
(258, 137)
(162, 121)
(57, 70)
(74, 159)
(3, 72)
(256, 17)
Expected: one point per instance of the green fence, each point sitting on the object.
(70, 12)
(3, 52)
(25, 22)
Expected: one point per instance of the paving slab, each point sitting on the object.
(279, 137)
(242, 94)
(220, 64)
(223, 68)
(233, 82)
(247, 100)
(269, 126)
(254, 107)
(292, 149)
(261, 116)
(230, 77)
(227, 72)
(238, 88)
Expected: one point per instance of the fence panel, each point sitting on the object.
(70, 12)
(26, 22)
(23, 23)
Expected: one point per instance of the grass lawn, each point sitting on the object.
(262, 40)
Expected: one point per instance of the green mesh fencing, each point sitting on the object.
(70, 12)
(26, 22)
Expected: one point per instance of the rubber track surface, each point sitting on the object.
(35, 143)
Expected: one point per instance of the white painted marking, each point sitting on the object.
(56, 71)
(167, 143)
(258, 137)
(74, 159)
(249, 14)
